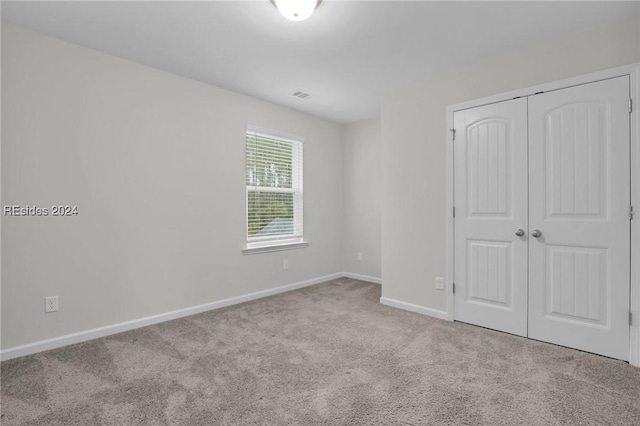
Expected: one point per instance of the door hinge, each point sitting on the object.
(630, 212)
(630, 318)
(453, 286)
(630, 106)
(454, 211)
(453, 131)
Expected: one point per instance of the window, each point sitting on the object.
(274, 191)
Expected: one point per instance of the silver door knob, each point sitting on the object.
(536, 233)
(520, 232)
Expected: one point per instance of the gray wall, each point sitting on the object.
(361, 197)
(413, 147)
(155, 164)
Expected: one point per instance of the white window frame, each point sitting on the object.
(256, 245)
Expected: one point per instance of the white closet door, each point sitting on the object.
(490, 154)
(579, 181)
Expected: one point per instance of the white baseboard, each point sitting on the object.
(82, 336)
(414, 308)
(360, 277)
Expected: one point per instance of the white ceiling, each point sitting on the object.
(347, 55)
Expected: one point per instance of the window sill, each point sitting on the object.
(273, 246)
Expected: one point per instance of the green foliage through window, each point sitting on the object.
(274, 184)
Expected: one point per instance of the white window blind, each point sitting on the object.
(274, 188)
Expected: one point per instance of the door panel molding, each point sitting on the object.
(491, 202)
(582, 262)
(632, 70)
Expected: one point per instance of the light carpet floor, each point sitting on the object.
(324, 355)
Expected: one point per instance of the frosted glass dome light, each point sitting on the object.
(296, 10)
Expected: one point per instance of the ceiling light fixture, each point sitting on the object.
(296, 10)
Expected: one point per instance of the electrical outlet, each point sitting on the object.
(285, 264)
(51, 304)
(360, 256)
(439, 283)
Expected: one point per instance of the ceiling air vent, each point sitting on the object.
(301, 95)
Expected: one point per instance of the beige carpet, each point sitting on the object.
(323, 355)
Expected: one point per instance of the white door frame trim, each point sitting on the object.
(633, 71)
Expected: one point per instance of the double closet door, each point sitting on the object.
(542, 216)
